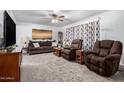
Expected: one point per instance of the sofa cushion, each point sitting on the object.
(96, 47)
(47, 47)
(35, 49)
(97, 69)
(116, 48)
(34, 41)
(31, 43)
(103, 52)
(75, 46)
(76, 41)
(106, 43)
(98, 61)
(45, 43)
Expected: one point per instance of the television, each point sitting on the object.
(9, 30)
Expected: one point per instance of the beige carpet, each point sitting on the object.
(50, 68)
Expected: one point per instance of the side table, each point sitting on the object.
(80, 56)
(57, 51)
(24, 50)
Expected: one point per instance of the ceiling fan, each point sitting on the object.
(56, 18)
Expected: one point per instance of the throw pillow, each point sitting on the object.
(54, 44)
(36, 45)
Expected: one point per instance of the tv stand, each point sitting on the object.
(10, 66)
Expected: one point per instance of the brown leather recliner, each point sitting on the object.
(70, 53)
(105, 57)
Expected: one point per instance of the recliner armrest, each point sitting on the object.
(112, 59)
(74, 49)
(112, 63)
(66, 48)
(113, 56)
(89, 52)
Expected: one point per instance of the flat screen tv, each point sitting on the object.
(9, 30)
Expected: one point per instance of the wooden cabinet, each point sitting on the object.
(10, 67)
(79, 56)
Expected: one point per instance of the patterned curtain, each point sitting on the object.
(82, 35)
(89, 33)
(89, 37)
(76, 32)
(69, 35)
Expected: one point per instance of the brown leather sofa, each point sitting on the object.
(45, 47)
(105, 57)
(70, 53)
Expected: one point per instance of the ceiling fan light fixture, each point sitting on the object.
(54, 21)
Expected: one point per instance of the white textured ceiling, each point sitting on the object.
(42, 17)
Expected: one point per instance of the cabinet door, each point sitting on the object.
(12, 67)
(9, 67)
(2, 66)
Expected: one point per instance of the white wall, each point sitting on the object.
(1, 23)
(111, 26)
(1, 16)
(10, 12)
(25, 30)
(1, 20)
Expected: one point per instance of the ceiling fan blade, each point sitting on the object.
(53, 15)
(61, 20)
(61, 16)
(50, 14)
